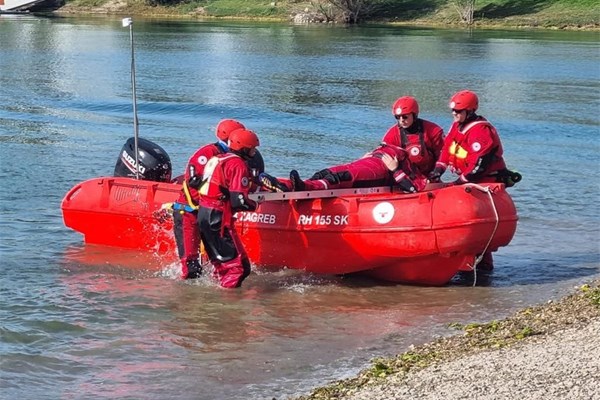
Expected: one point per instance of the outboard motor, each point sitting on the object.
(154, 162)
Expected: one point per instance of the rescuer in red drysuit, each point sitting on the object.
(387, 165)
(473, 150)
(423, 140)
(185, 209)
(224, 191)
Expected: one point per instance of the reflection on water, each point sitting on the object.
(107, 323)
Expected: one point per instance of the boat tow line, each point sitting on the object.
(489, 192)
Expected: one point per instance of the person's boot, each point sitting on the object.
(271, 183)
(230, 274)
(297, 183)
(190, 269)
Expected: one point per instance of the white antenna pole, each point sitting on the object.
(128, 22)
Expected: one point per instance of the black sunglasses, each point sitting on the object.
(403, 116)
(455, 111)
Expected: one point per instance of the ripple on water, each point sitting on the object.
(82, 321)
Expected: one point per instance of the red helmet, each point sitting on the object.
(405, 105)
(241, 139)
(464, 100)
(227, 126)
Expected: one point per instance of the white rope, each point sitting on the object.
(484, 189)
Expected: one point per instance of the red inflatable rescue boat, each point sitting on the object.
(422, 238)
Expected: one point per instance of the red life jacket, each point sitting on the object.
(423, 146)
(195, 167)
(474, 146)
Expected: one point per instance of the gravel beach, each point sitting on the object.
(551, 351)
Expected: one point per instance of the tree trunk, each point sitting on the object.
(465, 9)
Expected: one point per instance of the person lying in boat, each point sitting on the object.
(422, 139)
(223, 192)
(387, 165)
(185, 226)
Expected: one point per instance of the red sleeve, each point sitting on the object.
(239, 184)
(480, 142)
(392, 137)
(238, 176)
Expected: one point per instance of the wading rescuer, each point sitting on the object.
(423, 140)
(473, 151)
(224, 191)
(185, 210)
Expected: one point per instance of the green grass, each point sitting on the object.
(506, 13)
(517, 13)
(244, 8)
(557, 13)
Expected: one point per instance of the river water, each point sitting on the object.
(89, 322)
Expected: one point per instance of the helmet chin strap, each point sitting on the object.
(469, 116)
(244, 153)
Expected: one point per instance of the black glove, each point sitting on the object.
(195, 182)
(407, 186)
(435, 175)
(510, 178)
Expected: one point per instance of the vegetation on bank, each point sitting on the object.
(582, 14)
(575, 310)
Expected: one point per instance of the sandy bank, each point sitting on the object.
(546, 352)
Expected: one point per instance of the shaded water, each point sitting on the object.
(90, 322)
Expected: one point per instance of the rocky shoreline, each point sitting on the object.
(548, 351)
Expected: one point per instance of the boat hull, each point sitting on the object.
(422, 238)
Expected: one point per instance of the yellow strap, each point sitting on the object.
(188, 196)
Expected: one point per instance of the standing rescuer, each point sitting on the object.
(185, 209)
(473, 150)
(224, 191)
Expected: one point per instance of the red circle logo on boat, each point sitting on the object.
(383, 213)
(202, 160)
